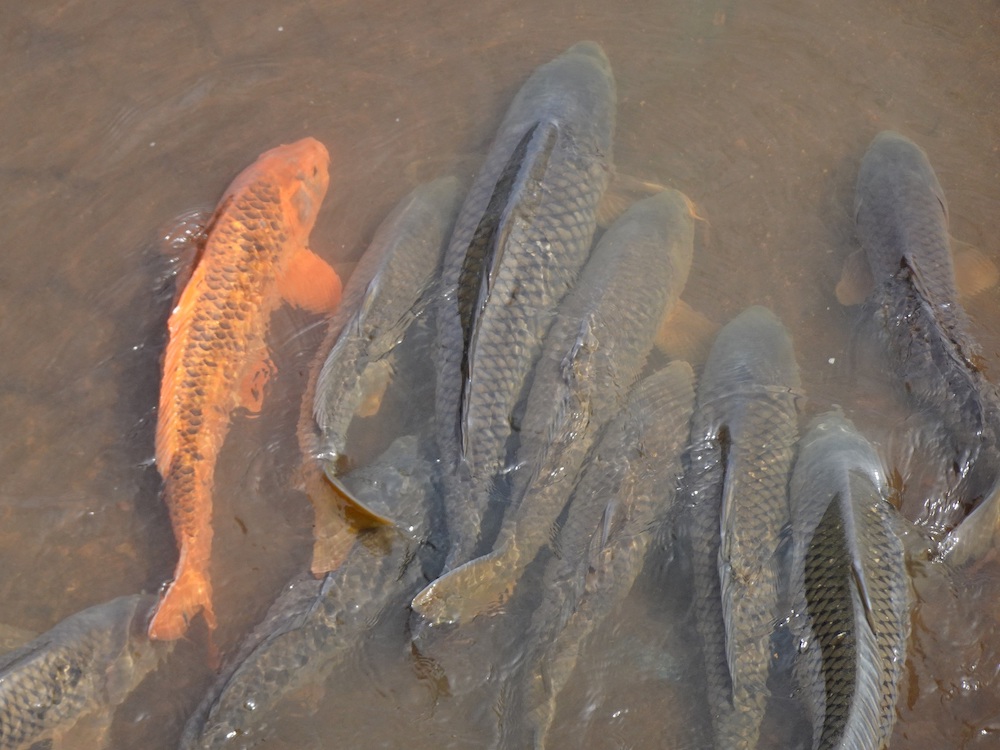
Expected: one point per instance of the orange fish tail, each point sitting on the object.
(188, 595)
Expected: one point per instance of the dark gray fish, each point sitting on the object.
(380, 300)
(389, 290)
(314, 624)
(87, 664)
(598, 344)
(743, 435)
(520, 239)
(849, 587)
(902, 223)
(626, 490)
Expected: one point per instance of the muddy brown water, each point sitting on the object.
(120, 119)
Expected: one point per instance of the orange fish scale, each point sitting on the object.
(217, 340)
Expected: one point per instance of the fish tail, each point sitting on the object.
(479, 586)
(189, 594)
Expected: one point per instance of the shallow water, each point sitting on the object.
(122, 118)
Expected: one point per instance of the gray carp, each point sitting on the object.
(380, 300)
(390, 288)
(597, 346)
(314, 624)
(902, 221)
(849, 587)
(87, 664)
(520, 239)
(743, 436)
(626, 491)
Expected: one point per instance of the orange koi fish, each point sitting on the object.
(255, 256)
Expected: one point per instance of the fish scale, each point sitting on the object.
(743, 438)
(849, 588)
(314, 624)
(88, 662)
(389, 289)
(381, 299)
(630, 480)
(902, 221)
(43, 697)
(254, 256)
(597, 346)
(520, 238)
(220, 332)
(308, 631)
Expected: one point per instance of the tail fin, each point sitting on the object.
(479, 586)
(188, 595)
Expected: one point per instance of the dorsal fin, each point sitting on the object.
(527, 163)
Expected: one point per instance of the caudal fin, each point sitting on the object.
(479, 586)
(189, 594)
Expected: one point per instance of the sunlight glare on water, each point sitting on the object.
(125, 121)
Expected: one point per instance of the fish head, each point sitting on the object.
(301, 173)
(307, 179)
(754, 348)
(894, 163)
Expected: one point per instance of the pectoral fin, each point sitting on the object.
(856, 281)
(974, 272)
(364, 514)
(251, 392)
(623, 191)
(310, 282)
(481, 586)
(333, 534)
(685, 334)
(377, 377)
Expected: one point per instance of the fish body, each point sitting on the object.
(902, 221)
(380, 299)
(626, 490)
(850, 589)
(86, 664)
(521, 236)
(596, 348)
(255, 255)
(388, 290)
(743, 435)
(315, 624)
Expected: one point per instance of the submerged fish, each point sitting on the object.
(902, 223)
(520, 239)
(87, 664)
(849, 587)
(381, 299)
(743, 435)
(598, 344)
(626, 490)
(315, 624)
(256, 254)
